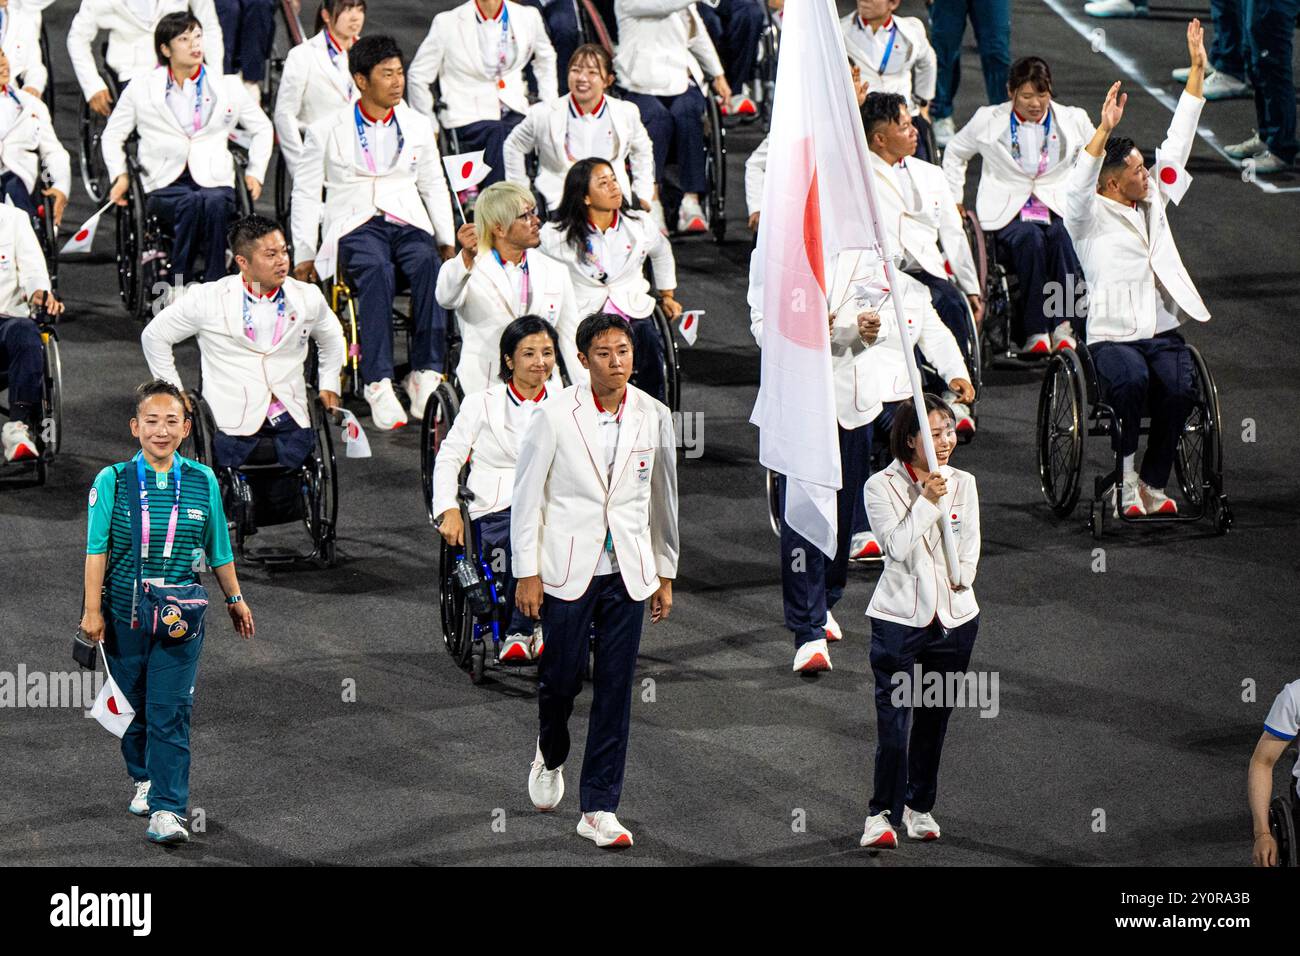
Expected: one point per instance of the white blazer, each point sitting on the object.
(1004, 185)
(662, 46)
(166, 150)
(450, 55)
(914, 586)
(239, 376)
(311, 87)
(755, 173)
(916, 80)
(32, 141)
(22, 264)
(414, 189)
(1124, 250)
(485, 304)
(542, 131)
(22, 46)
(922, 223)
(564, 500)
(480, 431)
(130, 39)
(628, 288)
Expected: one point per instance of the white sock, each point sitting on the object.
(1129, 470)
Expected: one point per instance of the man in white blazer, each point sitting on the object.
(130, 26)
(254, 330)
(1027, 147)
(1139, 291)
(316, 80)
(184, 115)
(917, 208)
(20, 37)
(386, 204)
(894, 56)
(594, 534)
(28, 141)
(584, 122)
(477, 53)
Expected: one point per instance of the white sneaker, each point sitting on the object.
(603, 829)
(741, 104)
(833, 632)
(1040, 344)
(1063, 338)
(1131, 498)
(385, 409)
(139, 804)
(690, 217)
(1269, 162)
(920, 826)
(545, 787)
(878, 834)
(420, 387)
(1155, 501)
(944, 130)
(1251, 147)
(812, 657)
(864, 545)
(538, 642)
(517, 649)
(1221, 86)
(165, 827)
(965, 420)
(17, 440)
(1115, 8)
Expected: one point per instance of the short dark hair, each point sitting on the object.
(335, 7)
(244, 232)
(596, 324)
(369, 51)
(1030, 69)
(517, 331)
(148, 390)
(593, 51)
(1114, 162)
(169, 28)
(879, 109)
(906, 426)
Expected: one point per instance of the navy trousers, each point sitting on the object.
(489, 136)
(562, 26)
(1154, 374)
(1040, 254)
(248, 33)
(1228, 46)
(12, 187)
(907, 764)
(950, 302)
(735, 26)
(372, 255)
(811, 583)
(293, 444)
(24, 360)
(676, 124)
(492, 532)
(647, 358)
(196, 216)
(1269, 26)
(568, 626)
(991, 20)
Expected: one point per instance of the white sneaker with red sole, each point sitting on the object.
(420, 387)
(385, 410)
(878, 834)
(690, 217)
(517, 649)
(17, 441)
(1040, 344)
(1155, 501)
(812, 657)
(1063, 338)
(965, 420)
(603, 829)
(833, 631)
(1130, 498)
(864, 545)
(920, 826)
(741, 105)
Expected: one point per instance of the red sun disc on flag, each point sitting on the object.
(112, 705)
(81, 236)
(466, 170)
(1168, 175)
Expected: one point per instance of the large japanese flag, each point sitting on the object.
(814, 205)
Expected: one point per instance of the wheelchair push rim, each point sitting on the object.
(1061, 432)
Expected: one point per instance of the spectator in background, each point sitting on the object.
(1227, 71)
(991, 20)
(1269, 30)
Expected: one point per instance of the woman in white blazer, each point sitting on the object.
(316, 80)
(584, 122)
(1027, 147)
(605, 245)
(499, 276)
(921, 622)
(28, 140)
(477, 53)
(487, 433)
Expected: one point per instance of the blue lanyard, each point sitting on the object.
(279, 318)
(889, 50)
(523, 267)
(365, 145)
(144, 507)
(1015, 139)
(198, 95)
(335, 51)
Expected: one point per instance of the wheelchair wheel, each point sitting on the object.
(283, 191)
(1282, 824)
(439, 414)
(769, 46)
(198, 446)
(1061, 417)
(1199, 459)
(715, 168)
(773, 503)
(52, 396)
(974, 359)
(669, 367)
(243, 198)
(457, 621)
(321, 488)
(138, 263)
(48, 234)
(93, 173)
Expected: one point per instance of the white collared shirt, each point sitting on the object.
(490, 43)
(180, 100)
(609, 423)
(872, 44)
(1030, 136)
(381, 138)
(338, 58)
(519, 411)
(589, 134)
(265, 312)
(610, 249)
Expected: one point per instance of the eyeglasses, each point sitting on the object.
(528, 214)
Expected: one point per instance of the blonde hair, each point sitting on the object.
(497, 207)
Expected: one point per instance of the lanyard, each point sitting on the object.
(503, 46)
(523, 286)
(280, 321)
(335, 51)
(144, 508)
(198, 95)
(1015, 140)
(365, 145)
(601, 274)
(889, 50)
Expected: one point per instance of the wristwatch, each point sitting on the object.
(235, 599)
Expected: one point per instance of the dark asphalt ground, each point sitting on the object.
(1119, 691)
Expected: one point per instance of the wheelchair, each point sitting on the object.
(669, 365)
(44, 45)
(284, 41)
(144, 266)
(1070, 409)
(49, 434)
(769, 48)
(260, 493)
(90, 133)
(1284, 821)
(343, 303)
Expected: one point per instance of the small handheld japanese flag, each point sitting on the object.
(1173, 179)
(354, 438)
(466, 170)
(84, 237)
(111, 707)
(690, 325)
